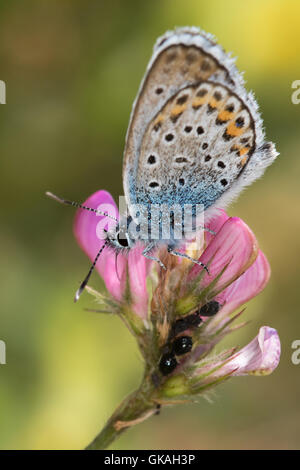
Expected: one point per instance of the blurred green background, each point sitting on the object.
(72, 70)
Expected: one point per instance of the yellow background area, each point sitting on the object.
(72, 70)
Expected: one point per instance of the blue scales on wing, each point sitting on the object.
(195, 135)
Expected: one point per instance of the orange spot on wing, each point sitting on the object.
(178, 109)
(214, 103)
(244, 161)
(244, 150)
(225, 115)
(198, 101)
(233, 130)
(160, 118)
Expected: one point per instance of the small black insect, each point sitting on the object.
(209, 309)
(167, 363)
(179, 345)
(182, 345)
(190, 321)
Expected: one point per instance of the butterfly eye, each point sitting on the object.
(167, 363)
(182, 345)
(122, 240)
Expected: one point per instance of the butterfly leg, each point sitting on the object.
(183, 255)
(147, 251)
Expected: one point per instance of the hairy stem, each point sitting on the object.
(136, 408)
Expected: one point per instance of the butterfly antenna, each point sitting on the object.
(76, 204)
(86, 280)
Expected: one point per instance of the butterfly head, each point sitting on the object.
(120, 237)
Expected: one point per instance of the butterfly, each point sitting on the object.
(195, 137)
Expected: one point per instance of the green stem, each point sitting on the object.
(136, 407)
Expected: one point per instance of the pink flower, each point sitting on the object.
(260, 357)
(88, 230)
(235, 244)
(238, 271)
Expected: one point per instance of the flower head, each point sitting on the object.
(180, 314)
(114, 270)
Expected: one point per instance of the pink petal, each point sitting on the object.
(247, 286)
(215, 224)
(260, 357)
(88, 230)
(138, 268)
(234, 244)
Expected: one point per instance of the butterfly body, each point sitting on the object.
(195, 136)
(195, 139)
(127, 233)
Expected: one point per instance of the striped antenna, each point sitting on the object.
(86, 280)
(76, 204)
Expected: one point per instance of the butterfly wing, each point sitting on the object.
(194, 129)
